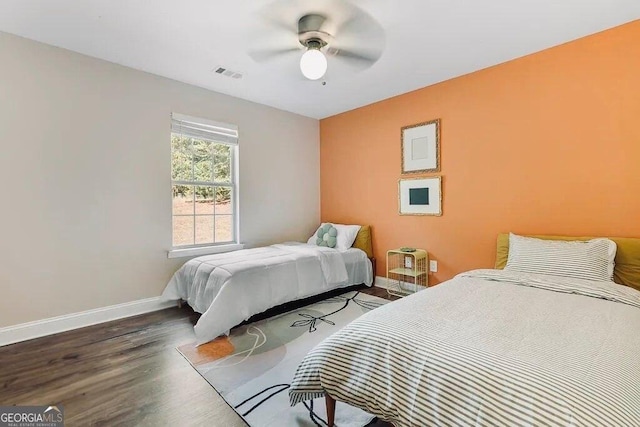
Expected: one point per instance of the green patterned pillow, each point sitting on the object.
(326, 236)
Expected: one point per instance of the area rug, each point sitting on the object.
(252, 368)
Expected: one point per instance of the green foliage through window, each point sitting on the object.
(203, 162)
(201, 172)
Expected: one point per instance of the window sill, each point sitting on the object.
(206, 250)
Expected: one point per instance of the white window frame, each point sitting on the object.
(218, 133)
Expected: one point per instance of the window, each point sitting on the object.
(204, 182)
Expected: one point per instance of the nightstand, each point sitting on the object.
(406, 271)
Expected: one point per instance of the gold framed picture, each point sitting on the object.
(420, 146)
(420, 196)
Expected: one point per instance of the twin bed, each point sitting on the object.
(229, 288)
(496, 347)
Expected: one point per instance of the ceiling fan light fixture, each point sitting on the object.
(313, 64)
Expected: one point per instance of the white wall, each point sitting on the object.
(85, 220)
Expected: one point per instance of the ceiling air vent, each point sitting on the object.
(227, 73)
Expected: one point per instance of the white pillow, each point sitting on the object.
(590, 259)
(346, 235)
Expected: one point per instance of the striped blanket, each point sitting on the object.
(488, 348)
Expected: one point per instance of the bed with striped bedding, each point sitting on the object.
(488, 348)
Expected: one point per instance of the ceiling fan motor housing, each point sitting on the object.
(310, 34)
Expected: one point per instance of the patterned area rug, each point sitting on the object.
(253, 367)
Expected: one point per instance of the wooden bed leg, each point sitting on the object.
(179, 303)
(331, 409)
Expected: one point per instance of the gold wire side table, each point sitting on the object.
(406, 271)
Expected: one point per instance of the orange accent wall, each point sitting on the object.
(545, 144)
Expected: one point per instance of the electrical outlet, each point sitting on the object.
(408, 262)
(433, 266)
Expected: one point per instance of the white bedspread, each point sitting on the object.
(489, 348)
(231, 287)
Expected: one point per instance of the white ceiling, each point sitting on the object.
(426, 41)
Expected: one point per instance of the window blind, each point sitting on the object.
(209, 130)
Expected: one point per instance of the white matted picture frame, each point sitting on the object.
(420, 146)
(420, 196)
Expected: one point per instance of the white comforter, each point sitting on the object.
(489, 348)
(231, 287)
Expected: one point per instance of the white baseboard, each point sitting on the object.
(382, 282)
(67, 322)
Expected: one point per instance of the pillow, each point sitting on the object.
(326, 236)
(346, 235)
(345, 238)
(590, 260)
(627, 262)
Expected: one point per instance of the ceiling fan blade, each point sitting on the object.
(360, 25)
(362, 56)
(359, 37)
(359, 40)
(263, 55)
(278, 24)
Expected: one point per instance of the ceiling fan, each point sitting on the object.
(357, 40)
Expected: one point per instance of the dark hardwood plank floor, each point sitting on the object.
(125, 372)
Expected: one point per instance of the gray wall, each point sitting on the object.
(85, 165)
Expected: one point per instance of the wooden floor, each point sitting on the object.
(125, 372)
